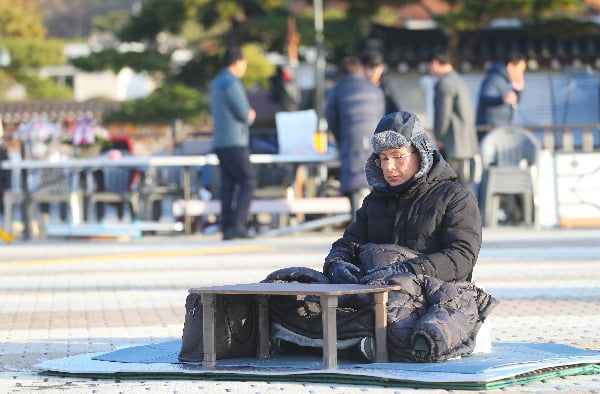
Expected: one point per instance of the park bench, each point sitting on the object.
(284, 207)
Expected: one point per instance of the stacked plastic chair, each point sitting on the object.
(509, 156)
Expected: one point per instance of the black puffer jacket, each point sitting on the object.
(431, 320)
(436, 217)
(304, 316)
(428, 320)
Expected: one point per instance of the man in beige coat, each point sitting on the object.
(454, 116)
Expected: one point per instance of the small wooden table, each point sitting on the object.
(328, 294)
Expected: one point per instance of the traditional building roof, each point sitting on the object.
(14, 112)
(405, 49)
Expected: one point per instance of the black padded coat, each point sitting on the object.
(436, 217)
(428, 320)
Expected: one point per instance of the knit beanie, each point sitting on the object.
(400, 129)
(396, 130)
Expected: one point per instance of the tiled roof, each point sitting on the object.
(413, 47)
(17, 111)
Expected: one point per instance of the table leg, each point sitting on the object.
(208, 330)
(264, 328)
(329, 304)
(381, 299)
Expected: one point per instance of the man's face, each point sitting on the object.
(399, 164)
(239, 67)
(373, 74)
(434, 67)
(516, 71)
(243, 64)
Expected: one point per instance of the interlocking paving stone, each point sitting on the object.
(61, 298)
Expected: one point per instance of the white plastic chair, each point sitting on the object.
(117, 186)
(509, 157)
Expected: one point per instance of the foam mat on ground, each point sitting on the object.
(507, 364)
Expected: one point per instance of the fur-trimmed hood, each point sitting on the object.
(396, 130)
(440, 170)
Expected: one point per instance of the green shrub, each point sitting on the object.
(170, 102)
(33, 53)
(44, 89)
(259, 68)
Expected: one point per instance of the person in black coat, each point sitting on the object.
(416, 203)
(374, 69)
(418, 228)
(354, 107)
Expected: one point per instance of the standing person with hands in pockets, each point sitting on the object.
(454, 116)
(232, 116)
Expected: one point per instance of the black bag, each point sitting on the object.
(235, 327)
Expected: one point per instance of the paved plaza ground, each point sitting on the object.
(65, 297)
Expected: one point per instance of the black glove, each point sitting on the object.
(343, 272)
(386, 272)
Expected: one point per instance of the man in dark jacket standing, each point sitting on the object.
(501, 90)
(415, 203)
(232, 116)
(499, 97)
(354, 107)
(454, 117)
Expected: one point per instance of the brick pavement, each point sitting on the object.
(66, 298)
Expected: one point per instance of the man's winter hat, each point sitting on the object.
(400, 129)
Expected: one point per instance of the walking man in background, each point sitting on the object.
(501, 90)
(454, 117)
(232, 116)
(354, 107)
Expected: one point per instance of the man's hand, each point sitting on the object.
(343, 272)
(510, 98)
(251, 115)
(386, 272)
(518, 84)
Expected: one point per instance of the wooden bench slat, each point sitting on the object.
(311, 205)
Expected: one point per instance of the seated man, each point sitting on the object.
(418, 228)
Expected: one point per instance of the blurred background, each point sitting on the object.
(141, 69)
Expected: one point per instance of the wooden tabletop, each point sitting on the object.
(293, 288)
